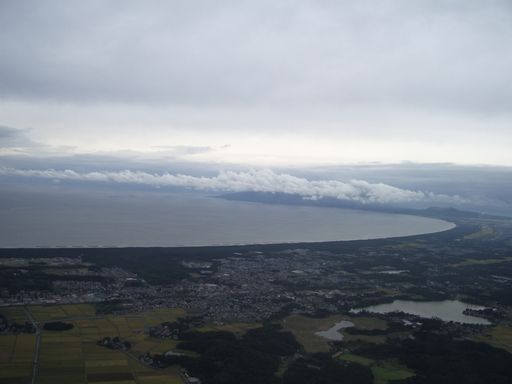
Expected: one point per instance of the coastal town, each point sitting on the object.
(256, 285)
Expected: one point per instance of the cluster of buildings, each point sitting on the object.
(254, 285)
(114, 343)
(15, 328)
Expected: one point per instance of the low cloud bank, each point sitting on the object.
(254, 181)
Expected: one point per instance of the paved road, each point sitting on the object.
(38, 344)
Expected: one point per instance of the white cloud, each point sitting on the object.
(255, 180)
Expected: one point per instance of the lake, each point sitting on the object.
(447, 310)
(122, 218)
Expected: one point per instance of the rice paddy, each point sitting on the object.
(73, 357)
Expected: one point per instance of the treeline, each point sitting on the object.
(256, 357)
(15, 328)
(442, 359)
(321, 368)
(57, 326)
(252, 359)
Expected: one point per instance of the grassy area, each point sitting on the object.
(73, 357)
(236, 328)
(304, 329)
(170, 378)
(15, 373)
(482, 261)
(16, 354)
(357, 359)
(499, 336)
(389, 292)
(388, 370)
(383, 371)
(484, 231)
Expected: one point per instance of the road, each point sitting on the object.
(38, 344)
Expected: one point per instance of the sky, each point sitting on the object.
(373, 101)
(257, 83)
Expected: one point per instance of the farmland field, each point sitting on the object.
(236, 328)
(73, 356)
(384, 371)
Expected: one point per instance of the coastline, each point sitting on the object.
(451, 226)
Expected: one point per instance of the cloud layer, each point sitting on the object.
(14, 138)
(432, 53)
(255, 181)
(282, 82)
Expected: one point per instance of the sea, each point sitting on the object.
(146, 219)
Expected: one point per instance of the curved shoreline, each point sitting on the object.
(263, 244)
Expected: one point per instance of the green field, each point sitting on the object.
(236, 328)
(387, 371)
(16, 355)
(73, 357)
(482, 261)
(304, 329)
(499, 336)
(16, 351)
(485, 231)
(383, 371)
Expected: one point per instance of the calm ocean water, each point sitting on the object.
(31, 219)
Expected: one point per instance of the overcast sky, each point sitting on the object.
(259, 82)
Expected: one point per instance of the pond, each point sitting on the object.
(333, 332)
(446, 310)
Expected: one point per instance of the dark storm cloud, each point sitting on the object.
(431, 54)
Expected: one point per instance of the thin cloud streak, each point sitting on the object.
(254, 181)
